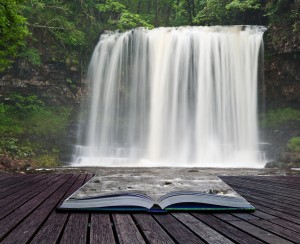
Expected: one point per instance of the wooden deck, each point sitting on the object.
(27, 215)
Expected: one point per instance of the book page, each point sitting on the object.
(154, 184)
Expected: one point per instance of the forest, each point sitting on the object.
(70, 29)
(38, 35)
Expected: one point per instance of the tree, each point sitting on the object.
(246, 12)
(120, 17)
(228, 12)
(13, 30)
(213, 12)
(52, 22)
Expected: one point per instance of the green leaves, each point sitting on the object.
(213, 13)
(13, 30)
(129, 20)
(29, 128)
(112, 7)
(227, 12)
(32, 56)
(293, 144)
(121, 18)
(238, 5)
(57, 22)
(279, 116)
(67, 31)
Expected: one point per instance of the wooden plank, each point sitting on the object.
(245, 216)
(263, 215)
(278, 230)
(270, 196)
(252, 185)
(225, 216)
(127, 232)
(153, 232)
(267, 190)
(76, 229)
(176, 229)
(25, 230)
(272, 180)
(201, 229)
(267, 182)
(5, 176)
(12, 181)
(260, 233)
(286, 181)
(269, 223)
(10, 221)
(290, 178)
(22, 184)
(227, 230)
(281, 197)
(78, 222)
(285, 206)
(101, 229)
(286, 224)
(11, 206)
(284, 209)
(28, 189)
(13, 178)
(19, 182)
(51, 230)
(268, 210)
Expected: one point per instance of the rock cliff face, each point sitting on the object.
(53, 82)
(282, 80)
(282, 89)
(282, 63)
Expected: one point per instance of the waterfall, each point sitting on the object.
(183, 97)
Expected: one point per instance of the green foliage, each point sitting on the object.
(213, 13)
(47, 121)
(293, 144)
(32, 56)
(114, 8)
(66, 31)
(22, 106)
(48, 160)
(13, 30)
(120, 17)
(181, 14)
(14, 148)
(8, 125)
(242, 6)
(31, 129)
(129, 20)
(280, 116)
(55, 22)
(28, 114)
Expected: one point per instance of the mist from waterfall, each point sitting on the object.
(183, 97)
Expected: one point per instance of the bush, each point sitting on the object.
(14, 148)
(279, 116)
(293, 144)
(8, 125)
(29, 115)
(47, 121)
(30, 129)
(48, 160)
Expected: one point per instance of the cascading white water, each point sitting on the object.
(182, 96)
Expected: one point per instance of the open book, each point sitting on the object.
(155, 194)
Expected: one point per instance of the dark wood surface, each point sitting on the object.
(28, 215)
